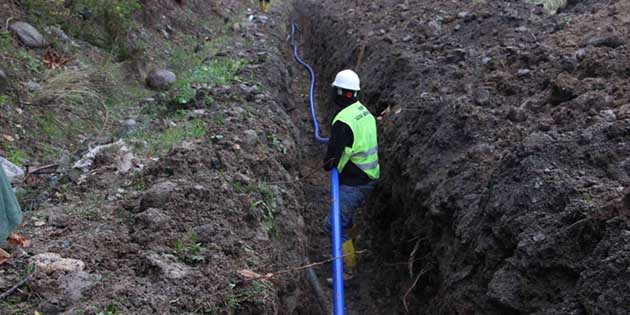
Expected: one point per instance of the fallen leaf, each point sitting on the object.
(249, 274)
(4, 256)
(18, 240)
(8, 138)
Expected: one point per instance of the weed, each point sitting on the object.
(15, 156)
(105, 24)
(190, 250)
(258, 289)
(277, 143)
(220, 71)
(139, 184)
(268, 208)
(110, 309)
(88, 208)
(4, 99)
(159, 142)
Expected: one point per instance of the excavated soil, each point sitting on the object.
(503, 135)
(504, 144)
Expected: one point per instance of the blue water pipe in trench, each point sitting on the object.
(338, 293)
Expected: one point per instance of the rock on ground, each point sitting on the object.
(28, 35)
(161, 79)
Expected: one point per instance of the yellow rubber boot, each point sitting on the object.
(267, 6)
(349, 261)
(349, 257)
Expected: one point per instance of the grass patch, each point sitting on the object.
(102, 23)
(259, 289)
(221, 71)
(151, 143)
(15, 156)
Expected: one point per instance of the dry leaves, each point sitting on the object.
(53, 60)
(18, 240)
(4, 256)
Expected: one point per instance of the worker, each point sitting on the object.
(353, 149)
(10, 212)
(265, 5)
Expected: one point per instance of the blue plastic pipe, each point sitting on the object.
(336, 240)
(338, 292)
(311, 94)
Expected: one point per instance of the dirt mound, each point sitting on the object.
(502, 137)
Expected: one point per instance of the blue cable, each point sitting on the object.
(311, 94)
(338, 295)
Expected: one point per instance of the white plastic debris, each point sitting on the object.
(14, 172)
(49, 262)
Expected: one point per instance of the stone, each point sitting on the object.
(563, 89)
(517, 114)
(167, 265)
(33, 86)
(57, 218)
(161, 79)
(28, 35)
(153, 218)
(51, 262)
(157, 195)
(608, 115)
(612, 41)
(482, 97)
(593, 100)
(250, 137)
(4, 82)
(74, 284)
(623, 112)
(59, 33)
(407, 38)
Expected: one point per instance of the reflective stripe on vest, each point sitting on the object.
(364, 151)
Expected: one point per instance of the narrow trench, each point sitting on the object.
(316, 186)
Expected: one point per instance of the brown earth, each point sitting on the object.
(504, 140)
(503, 135)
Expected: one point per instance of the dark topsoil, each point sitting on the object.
(504, 146)
(504, 133)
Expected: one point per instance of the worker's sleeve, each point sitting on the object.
(340, 137)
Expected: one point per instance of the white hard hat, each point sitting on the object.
(347, 79)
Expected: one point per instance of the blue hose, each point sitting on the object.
(338, 299)
(311, 94)
(338, 294)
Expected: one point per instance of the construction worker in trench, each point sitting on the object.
(265, 5)
(353, 149)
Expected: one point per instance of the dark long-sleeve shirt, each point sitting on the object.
(340, 137)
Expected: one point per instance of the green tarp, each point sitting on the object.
(10, 212)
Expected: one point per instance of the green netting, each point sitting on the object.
(10, 212)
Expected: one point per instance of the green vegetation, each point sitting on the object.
(151, 143)
(103, 23)
(259, 289)
(267, 206)
(110, 309)
(15, 155)
(190, 250)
